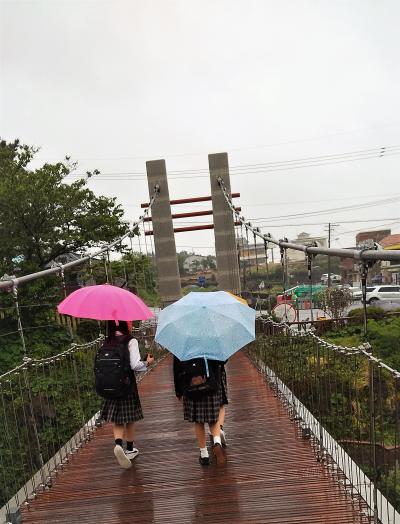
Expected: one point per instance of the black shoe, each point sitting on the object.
(204, 461)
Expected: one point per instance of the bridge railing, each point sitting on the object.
(347, 402)
(48, 410)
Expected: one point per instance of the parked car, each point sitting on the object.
(384, 293)
(335, 279)
(356, 292)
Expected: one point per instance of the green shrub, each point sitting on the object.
(373, 312)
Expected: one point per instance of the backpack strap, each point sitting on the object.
(206, 364)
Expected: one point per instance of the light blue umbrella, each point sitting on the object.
(212, 325)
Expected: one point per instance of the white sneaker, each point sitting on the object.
(123, 460)
(132, 454)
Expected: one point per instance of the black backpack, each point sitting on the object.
(198, 378)
(113, 374)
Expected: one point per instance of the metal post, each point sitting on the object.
(64, 288)
(319, 392)
(19, 321)
(372, 436)
(33, 419)
(309, 270)
(283, 253)
(255, 248)
(364, 273)
(329, 258)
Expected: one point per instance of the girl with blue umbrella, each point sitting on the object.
(207, 408)
(203, 330)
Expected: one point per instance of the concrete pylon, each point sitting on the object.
(224, 227)
(169, 282)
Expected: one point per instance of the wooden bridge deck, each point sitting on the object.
(271, 477)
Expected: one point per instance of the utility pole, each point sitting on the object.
(330, 229)
(329, 258)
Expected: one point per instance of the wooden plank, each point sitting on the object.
(271, 477)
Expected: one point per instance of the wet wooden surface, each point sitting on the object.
(272, 475)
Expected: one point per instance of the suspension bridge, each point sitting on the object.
(313, 427)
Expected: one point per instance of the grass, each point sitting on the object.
(383, 335)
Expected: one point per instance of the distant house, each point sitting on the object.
(391, 268)
(194, 263)
(304, 239)
(371, 236)
(349, 270)
(335, 279)
(379, 273)
(251, 254)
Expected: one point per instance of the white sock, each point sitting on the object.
(217, 440)
(203, 452)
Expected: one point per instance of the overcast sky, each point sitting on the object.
(115, 83)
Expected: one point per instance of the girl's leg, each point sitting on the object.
(129, 429)
(221, 418)
(118, 430)
(200, 434)
(199, 429)
(119, 453)
(218, 450)
(130, 432)
(215, 430)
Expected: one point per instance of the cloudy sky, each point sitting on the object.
(114, 83)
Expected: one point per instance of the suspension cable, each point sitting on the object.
(364, 254)
(19, 321)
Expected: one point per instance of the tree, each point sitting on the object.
(335, 300)
(195, 265)
(42, 216)
(182, 256)
(210, 262)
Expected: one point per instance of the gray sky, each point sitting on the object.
(115, 83)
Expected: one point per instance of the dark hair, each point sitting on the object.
(112, 328)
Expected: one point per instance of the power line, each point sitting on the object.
(260, 146)
(379, 227)
(360, 255)
(326, 211)
(373, 203)
(308, 223)
(266, 167)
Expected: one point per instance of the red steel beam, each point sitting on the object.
(190, 200)
(191, 228)
(190, 214)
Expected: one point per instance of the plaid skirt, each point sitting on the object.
(207, 408)
(123, 410)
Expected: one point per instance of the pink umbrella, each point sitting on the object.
(104, 302)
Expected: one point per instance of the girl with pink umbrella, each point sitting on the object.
(124, 412)
(120, 351)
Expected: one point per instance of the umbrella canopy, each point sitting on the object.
(104, 302)
(213, 325)
(242, 300)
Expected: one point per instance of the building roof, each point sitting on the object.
(391, 241)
